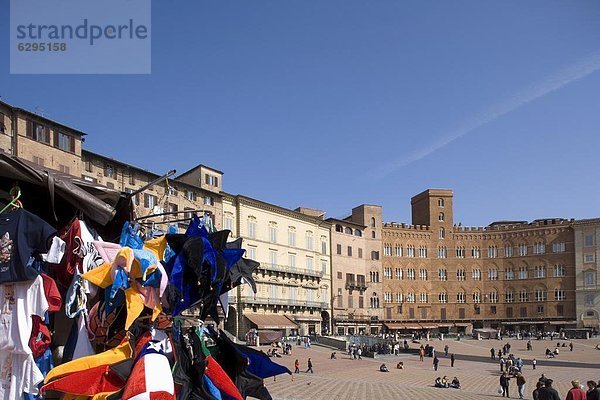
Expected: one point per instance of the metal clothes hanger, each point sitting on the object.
(15, 192)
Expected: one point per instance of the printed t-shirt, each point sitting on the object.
(20, 301)
(21, 234)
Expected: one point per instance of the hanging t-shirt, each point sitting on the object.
(21, 235)
(19, 302)
(90, 255)
(18, 374)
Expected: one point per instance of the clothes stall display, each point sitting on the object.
(137, 313)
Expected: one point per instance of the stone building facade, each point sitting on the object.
(356, 271)
(294, 277)
(186, 192)
(40, 140)
(509, 275)
(587, 269)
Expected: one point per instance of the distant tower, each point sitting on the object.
(433, 208)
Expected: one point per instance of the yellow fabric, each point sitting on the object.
(101, 396)
(100, 276)
(156, 312)
(134, 304)
(157, 246)
(112, 356)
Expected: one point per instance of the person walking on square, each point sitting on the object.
(520, 385)
(436, 361)
(493, 353)
(309, 366)
(452, 360)
(534, 363)
(446, 350)
(359, 352)
(297, 366)
(421, 353)
(576, 392)
(504, 382)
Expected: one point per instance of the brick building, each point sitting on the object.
(510, 274)
(58, 147)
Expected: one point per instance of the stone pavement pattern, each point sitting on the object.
(344, 379)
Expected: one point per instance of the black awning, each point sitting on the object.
(59, 194)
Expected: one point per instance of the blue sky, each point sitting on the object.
(330, 104)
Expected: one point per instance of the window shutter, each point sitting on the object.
(29, 132)
(46, 135)
(72, 144)
(56, 144)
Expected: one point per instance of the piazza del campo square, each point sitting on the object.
(299, 200)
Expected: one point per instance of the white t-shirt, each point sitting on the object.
(18, 372)
(91, 257)
(20, 301)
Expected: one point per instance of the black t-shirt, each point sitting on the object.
(22, 234)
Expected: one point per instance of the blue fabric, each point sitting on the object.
(75, 298)
(129, 236)
(146, 259)
(232, 256)
(115, 297)
(211, 388)
(261, 365)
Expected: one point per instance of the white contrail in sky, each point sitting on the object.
(526, 95)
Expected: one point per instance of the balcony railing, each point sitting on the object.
(289, 302)
(355, 317)
(356, 285)
(290, 270)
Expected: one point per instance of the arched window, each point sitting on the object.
(339, 228)
(348, 230)
(373, 222)
(442, 233)
(357, 232)
(441, 202)
(373, 234)
(441, 217)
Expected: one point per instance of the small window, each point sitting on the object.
(64, 142)
(589, 240)
(441, 217)
(339, 274)
(442, 233)
(373, 234)
(208, 201)
(373, 222)
(339, 249)
(109, 171)
(440, 202)
(357, 232)
(348, 230)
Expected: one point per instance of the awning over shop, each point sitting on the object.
(394, 326)
(445, 325)
(429, 326)
(562, 322)
(271, 321)
(591, 323)
(414, 327)
(463, 324)
(305, 318)
(518, 322)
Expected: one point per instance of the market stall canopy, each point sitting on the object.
(271, 321)
(562, 322)
(394, 326)
(98, 203)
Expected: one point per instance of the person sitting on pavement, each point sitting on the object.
(383, 368)
(400, 365)
(455, 383)
(445, 382)
(333, 357)
(438, 382)
(556, 351)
